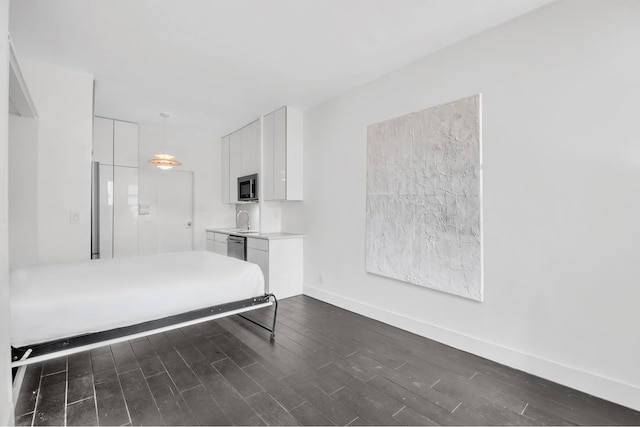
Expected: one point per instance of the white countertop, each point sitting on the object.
(255, 235)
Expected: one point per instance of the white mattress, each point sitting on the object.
(54, 301)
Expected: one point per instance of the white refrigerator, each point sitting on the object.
(114, 212)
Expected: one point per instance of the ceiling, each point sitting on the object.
(216, 65)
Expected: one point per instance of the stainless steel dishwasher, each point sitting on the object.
(236, 247)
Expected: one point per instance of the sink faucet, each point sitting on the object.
(247, 213)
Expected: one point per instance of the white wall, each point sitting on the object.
(23, 191)
(64, 100)
(199, 153)
(560, 95)
(6, 402)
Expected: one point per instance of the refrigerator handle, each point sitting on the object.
(95, 210)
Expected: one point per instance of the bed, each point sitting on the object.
(77, 306)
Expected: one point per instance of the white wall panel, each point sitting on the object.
(64, 100)
(23, 191)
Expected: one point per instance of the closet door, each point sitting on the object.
(118, 211)
(125, 211)
(106, 211)
(115, 147)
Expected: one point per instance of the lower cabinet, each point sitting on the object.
(279, 259)
(281, 263)
(217, 242)
(258, 253)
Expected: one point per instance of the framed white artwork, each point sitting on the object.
(424, 198)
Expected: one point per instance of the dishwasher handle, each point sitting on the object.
(236, 247)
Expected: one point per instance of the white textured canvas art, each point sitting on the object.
(424, 198)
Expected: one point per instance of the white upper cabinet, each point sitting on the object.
(225, 169)
(235, 164)
(103, 140)
(251, 148)
(115, 142)
(282, 161)
(240, 157)
(125, 144)
(280, 154)
(280, 171)
(267, 157)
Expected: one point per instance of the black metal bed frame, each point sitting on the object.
(49, 350)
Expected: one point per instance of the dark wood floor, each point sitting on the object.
(327, 366)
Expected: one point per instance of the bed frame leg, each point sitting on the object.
(275, 314)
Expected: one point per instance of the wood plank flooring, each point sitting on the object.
(327, 366)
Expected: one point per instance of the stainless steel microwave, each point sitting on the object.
(248, 188)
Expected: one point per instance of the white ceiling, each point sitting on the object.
(216, 65)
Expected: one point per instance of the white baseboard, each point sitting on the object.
(594, 384)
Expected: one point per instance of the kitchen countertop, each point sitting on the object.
(255, 235)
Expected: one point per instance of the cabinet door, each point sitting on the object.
(250, 148)
(125, 144)
(225, 169)
(261, 258)
(267, 158)
(286, 267)
(125, 211)
(294, 161)
(280, 154)
(103, 141)
(220, 248)
(235, 164)
(210, 240)
(106, 211)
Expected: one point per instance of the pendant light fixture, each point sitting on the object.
(164, 161)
